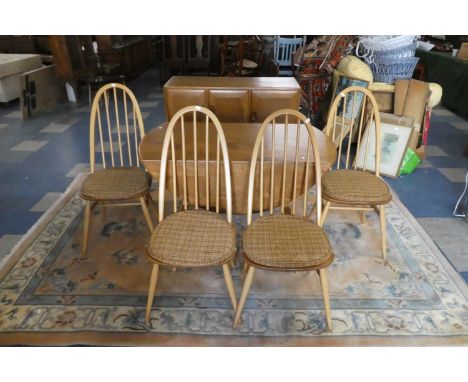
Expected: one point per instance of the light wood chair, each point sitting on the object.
(349, 187)
(121, 182)
(199, 237)
(280, 242)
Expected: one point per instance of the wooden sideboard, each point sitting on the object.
(233, 99)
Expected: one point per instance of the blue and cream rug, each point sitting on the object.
(50, 295)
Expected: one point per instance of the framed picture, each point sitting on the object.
(394, 142)
(343, 83)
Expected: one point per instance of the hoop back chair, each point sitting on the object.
(199, 237)
(121, 181)
(283, 51)
(281, 242)
(354, 116)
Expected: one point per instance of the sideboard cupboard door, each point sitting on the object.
(177, 99)
(265, 102)
(230, 105)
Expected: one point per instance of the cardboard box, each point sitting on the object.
(463, 52)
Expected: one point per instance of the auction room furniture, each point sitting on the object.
(452, 74)
(240, 139)
(283, 52)
(173, 57)
(197, 237)
(349, 188)
(232, 99)
(121, 181)
(198, 54)
(242, 55)
(279, 241)
(11, 67)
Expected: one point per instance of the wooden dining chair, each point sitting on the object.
(356, 184)
(281, 242)
(199, 237)
(121, 181)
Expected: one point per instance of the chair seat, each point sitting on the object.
(286, 242)
(116, 183)
(193, 239)
(355, 187)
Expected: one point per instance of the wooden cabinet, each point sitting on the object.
(233, 99)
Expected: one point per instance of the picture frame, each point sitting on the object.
(394, 143)
(346, 82)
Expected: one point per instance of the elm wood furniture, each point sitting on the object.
(240, 139)
(199, 237)
(122, 181)
(348, 188)
(232, 99)
(283, 242)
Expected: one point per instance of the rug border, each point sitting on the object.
(90, 338)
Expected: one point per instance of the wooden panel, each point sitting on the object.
(229, 105)
(265, 102)
(384, 101)
(41, 89)
(176, 99)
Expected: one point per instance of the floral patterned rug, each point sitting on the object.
(50, 294)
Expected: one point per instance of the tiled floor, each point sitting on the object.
(39, 158)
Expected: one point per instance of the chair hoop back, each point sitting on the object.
(292, 127)
(178, 122)
(354, 114)
(129, 134)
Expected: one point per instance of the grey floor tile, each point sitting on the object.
(13, 114)
(454, 174)
(46, 202)
(451, 235)
(147, 104)
(82, 168)
(425, 164)
(434, 151)
(441, 111)
(155, 95)
(29, 145)
(462, 125)
(107, 147)
(15, 156)
(56, 127)
(3, 125)
(144, 114)
(7, 242)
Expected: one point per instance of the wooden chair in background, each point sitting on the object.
(198, 54)
(354, 186)
(280, 242)
(283, 54)
(200, 237)
(242, 57)
(121, 181)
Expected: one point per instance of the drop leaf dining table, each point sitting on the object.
(240, 138)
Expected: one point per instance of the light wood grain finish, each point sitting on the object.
(240, 138)
(338, 128)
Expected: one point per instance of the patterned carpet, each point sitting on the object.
(49, 294)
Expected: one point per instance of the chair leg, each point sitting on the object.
(87, 218)
(326, 299)
(230, 285)
(243, 297)
(146, 213)
(383, 229)
(362, 216)
(151, 291)
(325, 213)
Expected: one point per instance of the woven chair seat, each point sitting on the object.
(193, 239)
(116, 183)
(286, 242)
(355, 187)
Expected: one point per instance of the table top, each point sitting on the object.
(257, 83)
(240, 139)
